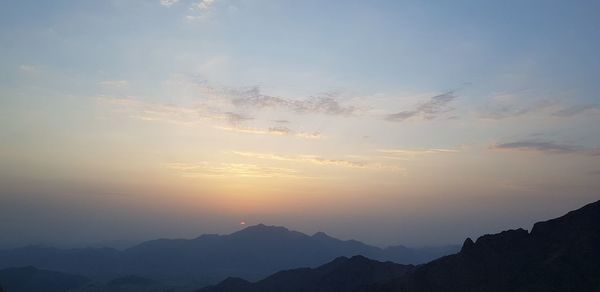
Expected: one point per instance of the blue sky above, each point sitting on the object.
(258, 110)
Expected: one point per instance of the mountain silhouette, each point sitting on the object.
(252, 253)
(342, 274)
(30, 279)
(562, 254)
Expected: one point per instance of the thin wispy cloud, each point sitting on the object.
(197, 115)
(429, 110)
(511, 106)
(200, 10)
(547, 147)
(414, 152)
(577, 110)
(180, 115)
(314, 159)
(253, 98)
(168, 3)
(274, 131)
(29, 69)
(236, 118)
(209, 169)
(203, 5)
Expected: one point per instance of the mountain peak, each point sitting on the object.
(467, 245)
(262, 229)
(321, 235)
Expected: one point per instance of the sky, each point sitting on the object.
(389, 122)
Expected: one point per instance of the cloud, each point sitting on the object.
(196, 115)
(414, 152)
(203, 5)
(282, 130)
(577, 109)
(236, 119)
(29, 69)
(253, 98)
(510, 106)
(208, 169)
(429, 110)
(168, 3)
(275, 131)
(147, 111)
(401, 116)
(547, 147)
(200, 10)
(313, 159)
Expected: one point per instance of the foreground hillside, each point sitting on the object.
(25, 279)
(562, 254)
(342, 274)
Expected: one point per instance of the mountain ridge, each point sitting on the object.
(561, 254)
(252, 253)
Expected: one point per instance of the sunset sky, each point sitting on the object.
(389, 122)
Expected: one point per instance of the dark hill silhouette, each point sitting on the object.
(562, 254)
(251, 253)
(342, 274)
(30, 279)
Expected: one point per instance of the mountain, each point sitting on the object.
(562, 254)
(95, 263)
(252, 253)
(133, 284)
(30, 279)
(342, 274)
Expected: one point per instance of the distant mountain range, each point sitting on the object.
(562, 254)
(252, 253)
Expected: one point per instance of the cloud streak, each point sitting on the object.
(432, 109)
(212, 170)
(236, 119)
(168, 3)
(197, 115)
(253, 98)
(511, 106)
(577, 110)
(415, 152)
(547, 147)
(274, 131)
(203, 5)
(313, 159)
(137, 109)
